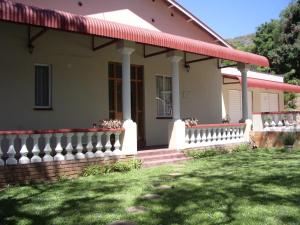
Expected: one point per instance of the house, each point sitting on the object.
(68, 64)
(265, 93)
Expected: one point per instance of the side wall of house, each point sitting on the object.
(80, 83)
(256, 97)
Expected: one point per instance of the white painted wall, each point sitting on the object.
(80, 83)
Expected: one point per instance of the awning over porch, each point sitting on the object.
(258, 83)
(20, 13)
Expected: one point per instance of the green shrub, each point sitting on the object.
(92, 170)
(125, 166)
(202, 153)
(241, 148)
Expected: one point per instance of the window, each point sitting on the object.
(164, 96)
(42, 86)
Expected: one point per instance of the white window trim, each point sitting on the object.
(163, 116)
(50, 87)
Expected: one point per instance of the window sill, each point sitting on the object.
(164, 118)
(43, 109)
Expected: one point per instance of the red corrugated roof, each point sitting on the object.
(20, 13)
(258, 83)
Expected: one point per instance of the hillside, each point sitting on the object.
(243, 42)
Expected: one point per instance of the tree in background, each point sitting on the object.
(279, 41)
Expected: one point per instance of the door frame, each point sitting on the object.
(143, 136)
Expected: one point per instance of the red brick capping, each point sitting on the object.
(274, 113)
(49, 171)
(218, 125)
(67, 130)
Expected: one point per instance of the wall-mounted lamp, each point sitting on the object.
(187, 67)
(30, 48)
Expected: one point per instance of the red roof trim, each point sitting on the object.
(258, 83)
(275, 113)
(20, 13)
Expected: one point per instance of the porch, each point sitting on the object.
(82, 70)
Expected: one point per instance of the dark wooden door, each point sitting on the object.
(137, 96)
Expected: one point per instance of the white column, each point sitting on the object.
(126, 90)
(244, 69)
(129, 145)
(175, 59)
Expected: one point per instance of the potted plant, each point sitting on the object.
(288, 141)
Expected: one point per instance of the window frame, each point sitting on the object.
(48, 107)
(163, 76)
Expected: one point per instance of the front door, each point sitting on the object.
(137, 96)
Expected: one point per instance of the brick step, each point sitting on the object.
(164, 161)
(156, 151)
(149, 158)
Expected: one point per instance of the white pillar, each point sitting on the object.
(126, 89)
(177, 127)
(175, 59)
(129, 145)
(244, 69)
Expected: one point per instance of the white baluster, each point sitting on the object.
(1, 153)
(58, 149)
(24, 151)
(214, 135)
(79, 147)
(235, 134)
(99, 146)
(47, 157)
(229, 134)
(204, 138)
(108, 146)
(224, 135)
(220, 136)
(89, 146)
(11, 151)
(198, 137)
(209, 137)
(187, 137)
(36, 150)
(69, 147)
(242, 133)
(192, 139)
(117, 145)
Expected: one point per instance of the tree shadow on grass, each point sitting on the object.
(234, 186)
(68, 202)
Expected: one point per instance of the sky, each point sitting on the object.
(233, 18)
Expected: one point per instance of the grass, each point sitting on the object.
(257, 187)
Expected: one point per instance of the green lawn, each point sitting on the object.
(257, 187)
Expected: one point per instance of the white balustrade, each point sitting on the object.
(14, 152)
(214, 134)
(276, 121)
